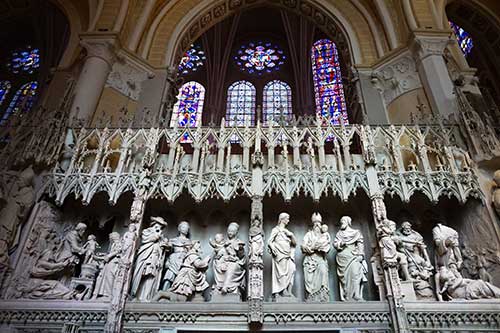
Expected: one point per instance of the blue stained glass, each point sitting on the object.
(4, 90)
(26, 61)
(192, 60)
(463, 38)
(189, 107)
(277, 102)
(22, 101)
(259, 57)
(328, 86)
(240, 104)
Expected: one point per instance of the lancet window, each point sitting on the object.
(328, 86)
(22, 101)
(463, 38)
(189, 107)
(4, 90)
(240, 104)
(277, 102)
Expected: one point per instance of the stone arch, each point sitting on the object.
(169, 36)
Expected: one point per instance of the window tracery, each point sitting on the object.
(240, 104)
(189, 107)
(22, 101)
(463, 38)
(328, 86)
(259, 57)
(192, 60)
(277, 102)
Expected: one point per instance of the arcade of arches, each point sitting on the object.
(249, 165)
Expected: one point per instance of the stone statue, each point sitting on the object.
(229, 262)
(90, 248)
(18, 204)
(281, 246)
(106, 278)
(419, 264)
(179, 246)
(72, 247)
(149, 262)
(316, 245)
(256, 242)
(451, 286)
(388, 243)
(191, 279)
(351, 264)
(43, 282)
(447, 250)
(496, 192)
(128, 242)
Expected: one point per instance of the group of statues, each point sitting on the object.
(62, 265)
(174, 269)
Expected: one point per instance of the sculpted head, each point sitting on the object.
(158, 223)
(81, 228)
(183, 228)
(232, 229)
(196, 246)
(345, 222)
(496, 177)
(284, 218)
(406, 228)
(316, 218)
(132, 227)
(114, 237)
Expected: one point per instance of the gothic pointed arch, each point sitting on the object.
(277, 104)
(240, 104)
(187, 112)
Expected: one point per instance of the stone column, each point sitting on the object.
(256, 239)
(124, 275)
(433, 72)
(98, 64)
(374, 108)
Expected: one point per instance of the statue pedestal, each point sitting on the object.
(285, 299)
(83, 287)
(217, 297)
(408, 291)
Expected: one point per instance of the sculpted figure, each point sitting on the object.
(128, 241)
(179, 246)
(191, 279)
(72, 247)
(419, 264)
(447, 250)
(256, 242)
(90, 247)
(281, 246)
(316, 245)
(496, 192)
(149, 262)
(351, 264)
(229, 262)
(106, 278)
(388, 243)
(18, 204)
(45, 274)
(451, 286)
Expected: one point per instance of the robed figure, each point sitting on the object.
(316, 245)
(281, 245)
(351, 264)
(179, 247)
(149, 262)
(106, 278)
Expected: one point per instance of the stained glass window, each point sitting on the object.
(463, 38)
(192, 60)
(4, 90)
(328, 86)
(277, 102)
(240, 104)
(189, 107)
(259, 57)
(25, 61)
(22, 101)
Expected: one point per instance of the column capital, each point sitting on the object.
(101, 46)
(424, 46)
